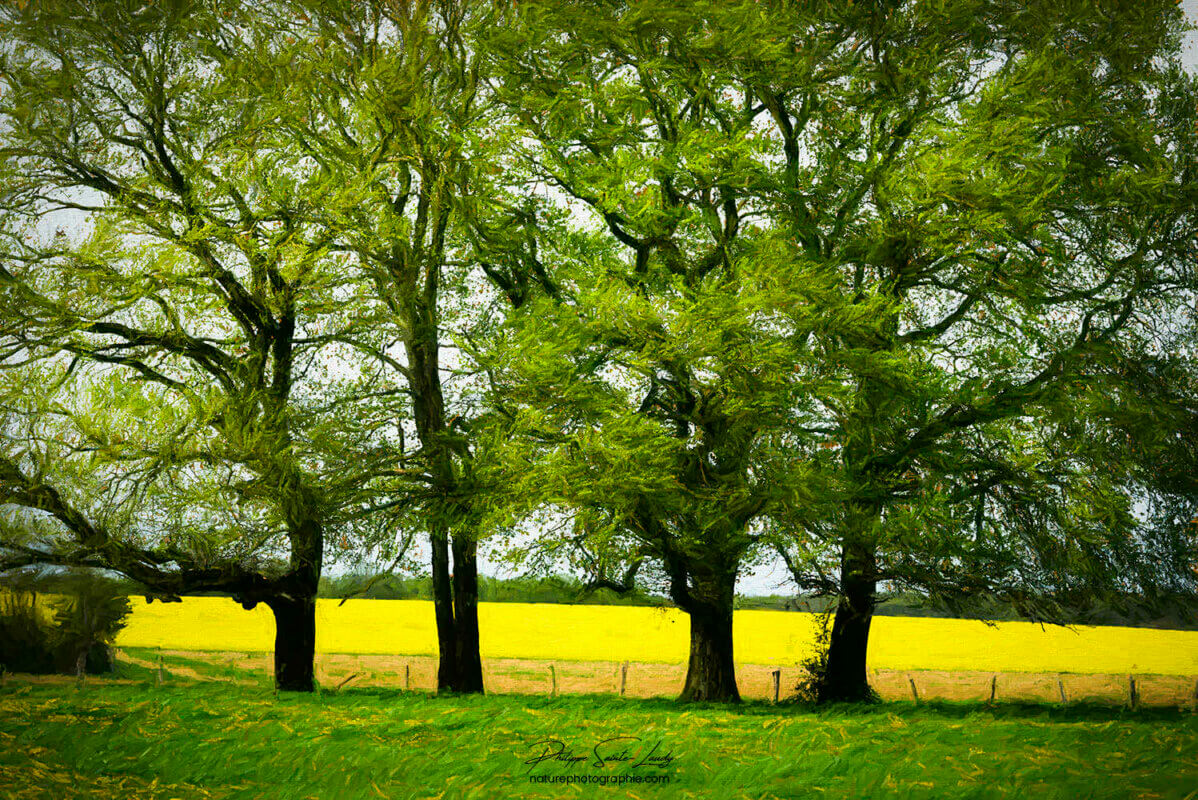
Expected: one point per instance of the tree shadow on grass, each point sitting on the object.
(604, 704)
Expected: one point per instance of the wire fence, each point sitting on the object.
(647, 680)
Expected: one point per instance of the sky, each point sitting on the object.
(1190, 7)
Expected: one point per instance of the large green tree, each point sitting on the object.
(871, 265)
(660, 383)
(174, 408)
(387, 98)
(1011, 185)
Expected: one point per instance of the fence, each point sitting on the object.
(643, 680)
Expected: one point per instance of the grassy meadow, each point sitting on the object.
(191, 712)
(214, 730)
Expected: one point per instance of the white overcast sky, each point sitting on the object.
(1191, 52)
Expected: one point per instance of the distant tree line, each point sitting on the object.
(552, 589)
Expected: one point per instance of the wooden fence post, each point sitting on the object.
(1061, 688)
(1133, 697)
(407, 676)
(624, 678)
(161, 677)
(553, 681)
(777, 674)
(993, 688)
(914, 691)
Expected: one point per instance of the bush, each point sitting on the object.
(88, 618)
(814, 669)
(27, 642)
(813, 673)
(85, 614)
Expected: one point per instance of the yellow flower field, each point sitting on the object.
(627, 633)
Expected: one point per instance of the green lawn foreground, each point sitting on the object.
(225, 740)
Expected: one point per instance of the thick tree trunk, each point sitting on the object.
(295, 642)
(455, 600)
(710, 672)
(455, 603)
(447, 667)
(845, 679)
(465, 613)
(293, 601)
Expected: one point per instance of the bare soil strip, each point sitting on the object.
(523, 676)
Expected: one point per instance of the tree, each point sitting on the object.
(1009, 186)
(171, 410)
(386, 98)
(661, 384)
(970, 217)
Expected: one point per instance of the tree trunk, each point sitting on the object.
(465, 612)
(455, 672)
(295, 642)
(447, 667)
(711, 673)
(845, 678)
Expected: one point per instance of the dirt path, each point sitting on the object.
(521, 676)
(174, 669)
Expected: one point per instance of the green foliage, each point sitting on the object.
(88, 617)
(27, 642)
(378, 587)
(813, 671)
(60, 623)
(205, 415)
(910, 280)
(871, 278)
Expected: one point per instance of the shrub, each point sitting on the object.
(550, 589)
(27, 642)
(85, 614)
(814, 669)
(88, 619)
(813, 673)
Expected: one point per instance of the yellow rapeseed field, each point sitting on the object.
(638, 634)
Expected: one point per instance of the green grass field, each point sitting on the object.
(191, 739)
